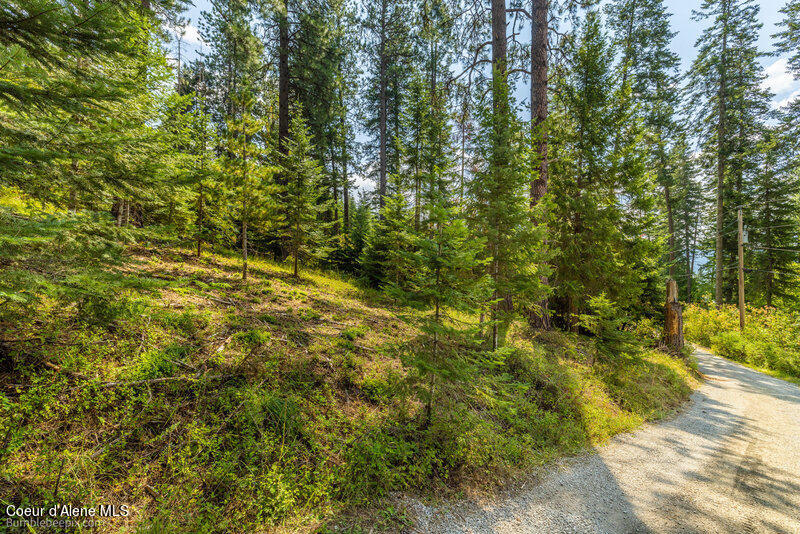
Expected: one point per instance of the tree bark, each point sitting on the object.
(671, 229)
(382, 111)
(296, 247)
(539, 318)
(499, 52)
(500, 106)
(245, 192)
(200, 221)
(673, 326)
(201, 195)
(721, 133)
(694, 254)
(345, 179)
(539, 73)
(283, 78)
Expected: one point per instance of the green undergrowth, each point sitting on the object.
(212, 405)
(770, 341)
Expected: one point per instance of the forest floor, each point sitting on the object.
(208, 404)
(730, 463)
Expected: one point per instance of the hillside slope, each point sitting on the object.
(729, 463)
(208, 404)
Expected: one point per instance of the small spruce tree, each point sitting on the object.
(385, 257)
(302, 198)
(441, 281)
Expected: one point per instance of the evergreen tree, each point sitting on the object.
(442, 281)
(234, 63)
(387, 47)
(303, 199)
(728, 104)
(244, 173)
(502, 216)
(642, 33)
(210, 221)
(384, 260)
(775, 230)
(427, 150)
(602, 193)
(788, 42)
(79, 97)
(689, 203)
(360, 230)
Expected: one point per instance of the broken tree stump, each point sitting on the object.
(673, 318)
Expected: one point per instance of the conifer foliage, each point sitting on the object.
(381, 139)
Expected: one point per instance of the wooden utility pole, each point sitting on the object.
(741, 270)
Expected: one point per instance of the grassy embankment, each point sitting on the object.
(213, 405)
(769, 343)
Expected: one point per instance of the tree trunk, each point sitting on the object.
(500, 106)
(335, 187)
(768, 289)
(673, 326)
(539, 73)
(499, 53)
(345, 190)
(417, 185)
(244, 248)
(694, 254)
(245, 192)
(201, 196)
(345, 184)
(721, 133)
(382, 111)
(283, 78)
(687, 252)
(296, 248)
(671, 229)
(539, 318)
(200, 221)
(626, 57)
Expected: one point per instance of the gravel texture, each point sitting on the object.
(729, 463)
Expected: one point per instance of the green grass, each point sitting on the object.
(282, 404)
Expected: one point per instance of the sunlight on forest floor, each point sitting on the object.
(201, 400)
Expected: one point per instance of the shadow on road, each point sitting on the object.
(729, 463)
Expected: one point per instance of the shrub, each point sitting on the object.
(376, 464)
(648, 332)
(607, 324)
(158, 363)
(730, 344)
(770, 340)
(352, 333)
(251, 338)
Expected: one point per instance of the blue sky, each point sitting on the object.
(778, 80)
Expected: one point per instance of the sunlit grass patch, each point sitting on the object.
(203, 400)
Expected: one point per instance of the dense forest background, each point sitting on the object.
(204, 313)
(616, 172)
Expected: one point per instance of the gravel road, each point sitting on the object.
(729, 463)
